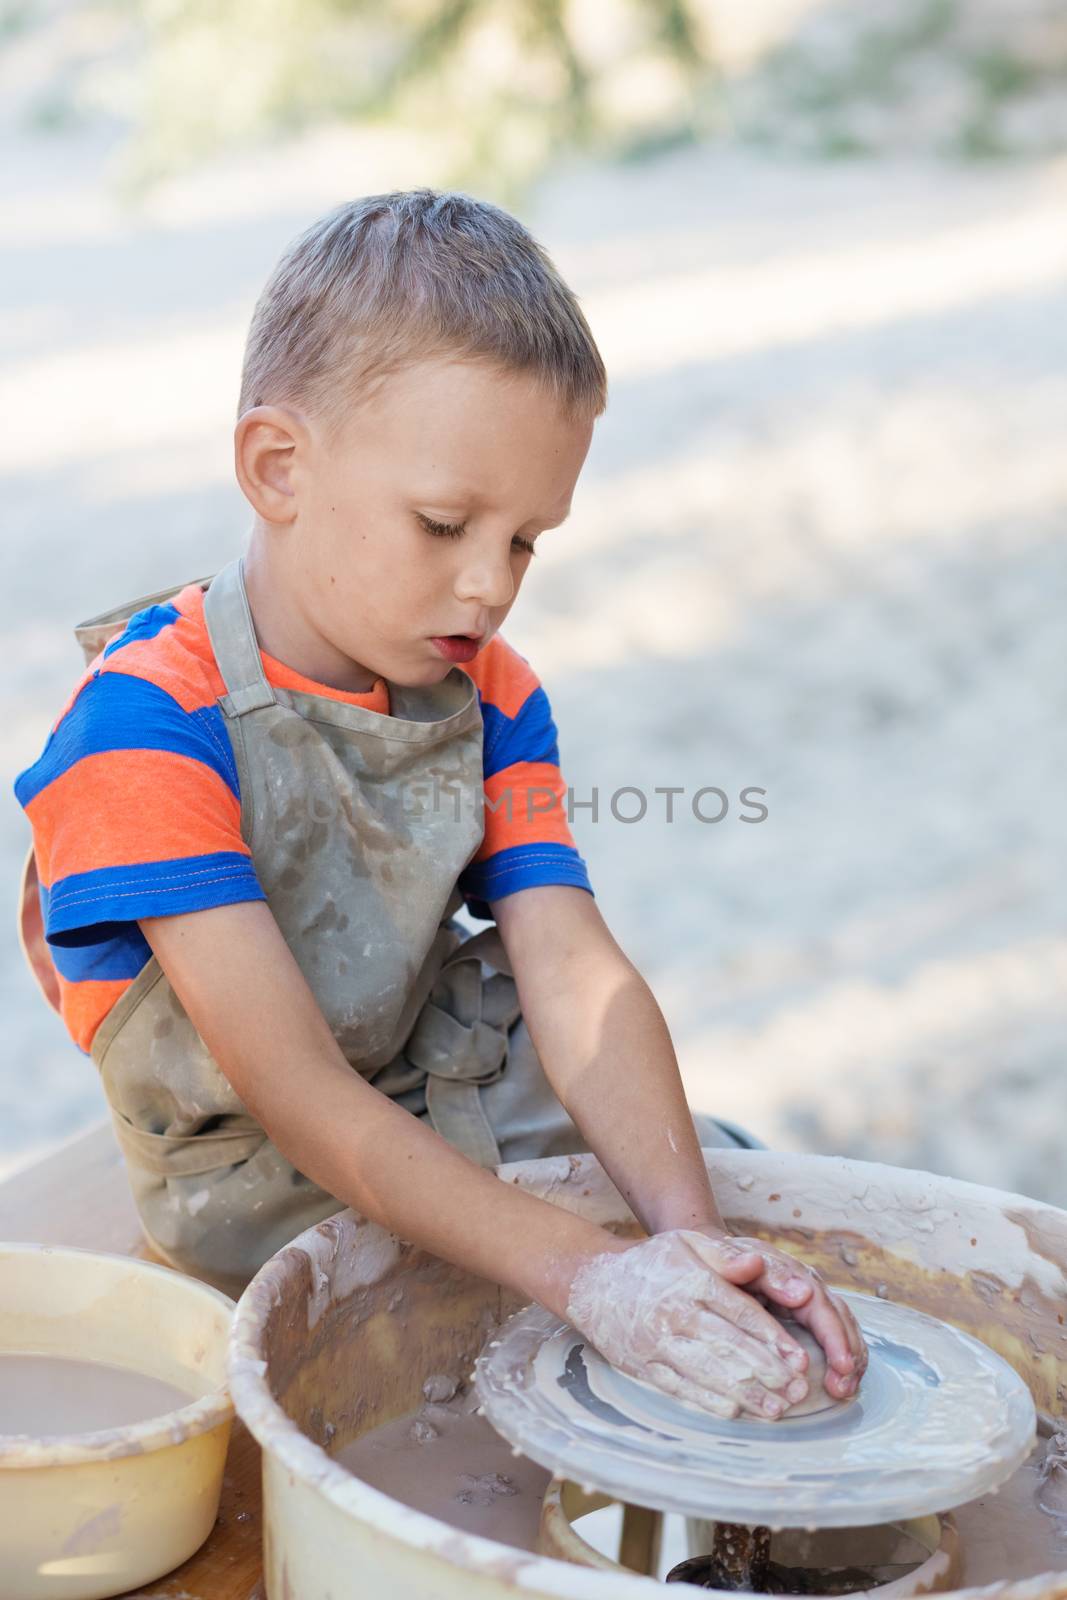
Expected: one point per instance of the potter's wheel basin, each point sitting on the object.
(337, 1333)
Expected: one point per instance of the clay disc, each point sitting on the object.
(939, 1420)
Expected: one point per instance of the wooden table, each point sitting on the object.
(79, 1196)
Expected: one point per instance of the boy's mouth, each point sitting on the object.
(457, 646)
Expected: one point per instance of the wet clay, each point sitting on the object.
(49, 1396)
(816, 1398)
(1022, 1530)
(445, 1460)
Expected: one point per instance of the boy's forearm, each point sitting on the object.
(252, 1006)
(393, 1168)
(606, 1049)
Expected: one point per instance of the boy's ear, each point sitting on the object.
(266, 444)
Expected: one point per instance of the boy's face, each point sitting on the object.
(373, 585)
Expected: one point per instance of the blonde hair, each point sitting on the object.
(384, 281)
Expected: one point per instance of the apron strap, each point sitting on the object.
(460, 1041)
(233, 639)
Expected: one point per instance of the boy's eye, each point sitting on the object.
(453, 530)
(442, 530)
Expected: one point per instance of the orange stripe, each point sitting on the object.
(126, 806)
(85, 1005)
(179, 659)
(536, 817)
(190, 602)
(504, 678)
(283, 677)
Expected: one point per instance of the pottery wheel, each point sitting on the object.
(939, 1420)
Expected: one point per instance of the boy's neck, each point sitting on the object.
(282, 632)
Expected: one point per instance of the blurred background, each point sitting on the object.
(818, 547)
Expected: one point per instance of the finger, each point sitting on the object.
(728, 1301)
(823, 1316)
(840, 1385)
(785, 1281)
(671, 1382)
(857, 1343)
(700, 1364)
(736, 1263)
(733, 1259)
(745, 1354)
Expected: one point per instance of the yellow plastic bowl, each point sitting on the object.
(94, 1514)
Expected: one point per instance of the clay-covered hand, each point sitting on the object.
(798, 1289)
(664, 1310)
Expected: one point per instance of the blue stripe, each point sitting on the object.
(116, 711)
(530, 735)
(144, 625)
(121, 956)
(521, 866)
(89, 907)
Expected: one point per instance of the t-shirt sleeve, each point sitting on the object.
(135, 809)
(528, 839)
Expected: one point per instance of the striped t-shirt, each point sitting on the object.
(135, 800)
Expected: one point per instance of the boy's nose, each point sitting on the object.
(489, 582)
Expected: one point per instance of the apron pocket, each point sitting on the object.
(188, 1155)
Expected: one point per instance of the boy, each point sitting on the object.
(258, 814)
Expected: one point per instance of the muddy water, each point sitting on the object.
(446, 1460)
(46, 1396)
(1022, 1530)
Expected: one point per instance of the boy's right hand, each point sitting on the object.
(660, 1311)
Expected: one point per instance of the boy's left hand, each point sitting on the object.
(784, 1281)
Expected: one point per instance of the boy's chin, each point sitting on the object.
(419, 675)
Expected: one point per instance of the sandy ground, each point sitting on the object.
(818, 549)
